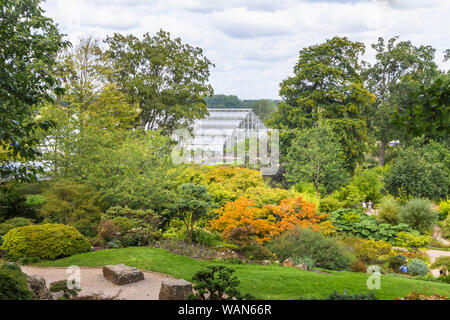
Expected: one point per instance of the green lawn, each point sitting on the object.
(263, 282)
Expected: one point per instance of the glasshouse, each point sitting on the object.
(219, 137)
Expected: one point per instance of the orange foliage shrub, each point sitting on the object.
(242, 215)
(241, 221)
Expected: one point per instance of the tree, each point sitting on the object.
(193, 202)
(243, 222)
(216, 281)
(315, 156)
(399, 68)
(263, 108)
(430, 114)
(30, 42)
(166, 78)
(418, 214)
(327, 84)
(421, 170)
(222, 101)
(72, 204)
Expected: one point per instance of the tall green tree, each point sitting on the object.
(315, 156)
(421, 170)
(193, 202)
(29, 45)
(92, 109)
(165, 77)
(263, 108)
(399, 70)
(327, 84)
(430, 114)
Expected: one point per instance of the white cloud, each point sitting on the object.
(255, 43)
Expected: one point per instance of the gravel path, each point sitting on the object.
(93, 282)
(434, 254)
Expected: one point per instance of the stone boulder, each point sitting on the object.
(121, 274)
(39, 288)
(175, 289)
(288, 262)
(302, 266)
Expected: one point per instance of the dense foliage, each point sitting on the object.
(315, 156)
(327, 85)
(14, 223)
(30, 43)
(123, 226)
(302, 243)
(418, 214)
(72, 204)
(167, 78)
(421, 170)
(13, 283)
(242, 222)
(359, 224)
(216, 282)
(46, 241)
(417, 267)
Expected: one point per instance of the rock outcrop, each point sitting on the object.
(121, 274)
(175, 289)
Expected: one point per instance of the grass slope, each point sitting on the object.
(263, 282)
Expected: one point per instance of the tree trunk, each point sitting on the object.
(382, 153)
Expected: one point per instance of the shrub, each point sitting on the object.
(368, 183)
(129, 226)
(264, 195)
(14, 223)
(446, 227)
(370, 251)
(137, 237)
(13, 283)
(417, 267)
(243, 222)
(298, 242)
(444, 278)
(47, 241)
(206, 238)
(359, 224)
(395, 262)
(214, 282)
(59, 286)
(329, 204)
(412, 240)
(444, 209)
(356, 296)
(388, 211)
(421, 170)
(73, 204)
(108, 231)
(256, 251)
(441, 262)
(27, 260)
(418, 214)
(308, 261)
(358, 266)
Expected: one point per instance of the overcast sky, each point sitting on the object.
(254, 44)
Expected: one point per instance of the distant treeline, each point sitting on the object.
(264, 108)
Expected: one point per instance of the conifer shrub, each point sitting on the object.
(46, 241)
